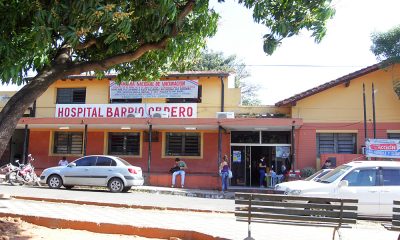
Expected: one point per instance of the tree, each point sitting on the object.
(386, 45)
(136, 39)
(209, 61)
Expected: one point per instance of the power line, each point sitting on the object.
(297, 65)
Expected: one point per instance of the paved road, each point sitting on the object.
(131, 198)
(215, 224)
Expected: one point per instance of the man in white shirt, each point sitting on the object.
(63, 162)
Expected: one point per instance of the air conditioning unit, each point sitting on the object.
(160, 115)
(134, 115)
(225, 115)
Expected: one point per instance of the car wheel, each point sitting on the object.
(115, 185)
(126, 189)
(68, 187)
(54, 181)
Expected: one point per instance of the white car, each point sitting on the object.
(95, 170)
(281, 187)
(374, 183)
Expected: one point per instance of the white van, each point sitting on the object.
(374, 183)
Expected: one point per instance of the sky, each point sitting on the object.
(345, 48)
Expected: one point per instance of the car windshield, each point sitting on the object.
(123, 161)
(317, 174)
(334, 174)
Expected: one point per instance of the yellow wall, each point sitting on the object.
(97, 92)
(345, 104)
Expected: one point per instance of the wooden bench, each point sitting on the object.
(396, 216)
(295, 210)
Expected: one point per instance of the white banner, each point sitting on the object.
(154, 89)
(137, 110)
(382, 148)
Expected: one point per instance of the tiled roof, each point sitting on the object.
(323, 87)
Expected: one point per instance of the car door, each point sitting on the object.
(105, 167)
(390, 190)
(363, 185)
(81, 173)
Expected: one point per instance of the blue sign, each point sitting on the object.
(382, 148)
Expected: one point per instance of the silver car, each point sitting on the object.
(95, 170)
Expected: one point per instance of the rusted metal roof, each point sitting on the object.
(342, 80)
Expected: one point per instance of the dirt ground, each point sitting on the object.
(16, 229)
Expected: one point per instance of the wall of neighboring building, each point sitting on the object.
(340, 110)
(345, 104)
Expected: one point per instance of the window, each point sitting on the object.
(71, 95)
(391, 176)
(275, 137)
(182, 144)
(86, 161)
(361, 177)
(394, 135)
(245, 137)
(336, 143)
(124, 143)
(105, 161)
(187, 100)
(68, 142)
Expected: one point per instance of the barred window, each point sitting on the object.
(183, 144)
(71, 95)
(68, 142)
(394, 135)
(124, 143)
(336, 143)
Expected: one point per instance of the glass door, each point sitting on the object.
(242, 167)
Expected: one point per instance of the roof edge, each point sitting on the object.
(333, 83)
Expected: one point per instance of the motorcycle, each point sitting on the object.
(24, 174)
(6, 170)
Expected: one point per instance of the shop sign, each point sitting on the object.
(137, 110)
(382, 148)
(154, 89)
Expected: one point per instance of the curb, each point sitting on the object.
(109, 228)
(118, 205)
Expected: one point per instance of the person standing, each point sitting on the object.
(63, 162)
(262, 166)
(224, 171)
(182, 167)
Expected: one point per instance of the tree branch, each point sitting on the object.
(106, 63)
(87, 44)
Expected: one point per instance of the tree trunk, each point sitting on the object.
(19, 103)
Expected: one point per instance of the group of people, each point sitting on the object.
(180, 167)
(226, 173)
(265, 172)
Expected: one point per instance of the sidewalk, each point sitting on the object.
(153, 223)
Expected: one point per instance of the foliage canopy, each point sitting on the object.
(98, 31)
(386, 45)
(216, 61)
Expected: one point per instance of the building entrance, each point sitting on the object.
(245, 164)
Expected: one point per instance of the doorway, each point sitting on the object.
(245, 160)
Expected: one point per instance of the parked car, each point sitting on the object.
(281, 187)
(374, 183)
(95, 170)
